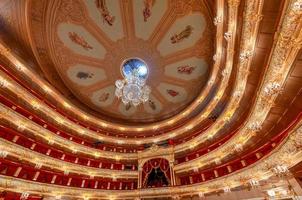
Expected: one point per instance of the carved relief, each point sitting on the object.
(204, 47)
(4, 51)
(182, 35)
(185, 69)
(147, 9)
(74, 37)
(107, 17)
(172, 93)
(181, 7)
(296, 139)
(84, 75)
(104, 97)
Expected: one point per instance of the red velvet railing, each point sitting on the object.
(22, 171)
(234, 165)
(103, 146)
(10, 134)
(207, 123)
(205, 150)
(64, 134)
(113, 148)
(9, 168)
(52, 128)
(294, 112)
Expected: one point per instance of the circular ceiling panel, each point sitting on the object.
(88, 41)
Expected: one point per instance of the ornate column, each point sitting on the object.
(173, 181)
(140, 170)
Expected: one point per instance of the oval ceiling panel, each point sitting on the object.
(188, 69)
(80, 41)
(84, 75)
(127, 110)
(103, 97)
(147, 15)
(153, 106)
(107, 16)
(172, 93)
(184, 33)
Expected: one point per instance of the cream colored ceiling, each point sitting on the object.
(86, 51)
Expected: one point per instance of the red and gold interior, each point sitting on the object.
(225, 110)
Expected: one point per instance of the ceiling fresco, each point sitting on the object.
(87, 41)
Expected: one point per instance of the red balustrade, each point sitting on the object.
(241, 162)
(62, 133)
(23, 171)
(10, 135)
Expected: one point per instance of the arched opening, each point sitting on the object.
(156, 173)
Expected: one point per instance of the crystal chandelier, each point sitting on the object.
(133, 89)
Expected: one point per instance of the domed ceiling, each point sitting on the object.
(85, 42)
(241, 132)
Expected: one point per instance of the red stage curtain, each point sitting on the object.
(160, 163)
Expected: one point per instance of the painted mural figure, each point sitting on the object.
(84, 75)
(185, 69)
(172, 93)
(128, 106)
(101, 5)
(147, 9)
(104, 97)
(152, 105)
(74, 37)
(182, 35)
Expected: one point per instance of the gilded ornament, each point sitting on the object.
(233, 3)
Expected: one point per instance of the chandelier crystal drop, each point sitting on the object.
(133, 89)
